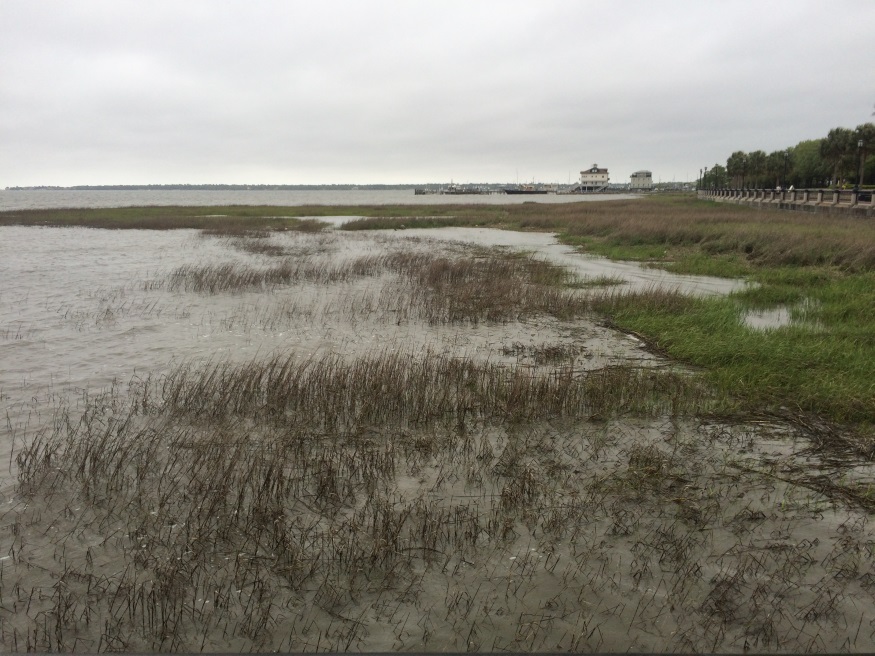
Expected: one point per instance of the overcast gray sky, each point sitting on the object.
(329, 91)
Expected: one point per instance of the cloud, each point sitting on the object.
(341, 91)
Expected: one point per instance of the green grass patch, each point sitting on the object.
(700, 264)
(402, 222)
(615, 250)
(589, 282)
(823, 366)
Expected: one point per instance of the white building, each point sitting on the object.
(593, 179)
(641, 181)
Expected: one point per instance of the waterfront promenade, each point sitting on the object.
(827, 201)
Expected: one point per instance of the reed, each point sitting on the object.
(257, 527)
(495, 287)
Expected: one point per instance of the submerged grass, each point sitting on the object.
(413, 503)
(485, 286)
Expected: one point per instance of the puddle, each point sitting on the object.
(767, 319)
(778, 317)
(332, 220)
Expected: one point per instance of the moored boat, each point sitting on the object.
(526, 189)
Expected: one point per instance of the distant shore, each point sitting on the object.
(223, 187)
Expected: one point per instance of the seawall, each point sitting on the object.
(823, 201)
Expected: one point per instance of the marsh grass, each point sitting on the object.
(546, 354)
(665, 228)
(670, 229)
(232, 220)
(818, 266)
(402, 389)
(589, 282)
(259, 247)
(299, 505)
(494, 286)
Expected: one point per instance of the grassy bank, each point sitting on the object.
(819, 270)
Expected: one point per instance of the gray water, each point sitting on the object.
(83, 309)
(48, 199)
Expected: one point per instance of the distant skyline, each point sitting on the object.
(116, 92)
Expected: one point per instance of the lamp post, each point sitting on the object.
(784, 176)
(862, 163)
(705, 179)
(743, 170)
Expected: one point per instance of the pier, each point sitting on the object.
(825, 201)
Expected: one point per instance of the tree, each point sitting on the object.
(816, 162)
(735, 168)
(756, 167)
(777, 167)
(866, 134)
(717, 178)
(809, 168)
(834, 149)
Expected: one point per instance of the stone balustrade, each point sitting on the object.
(833, 201)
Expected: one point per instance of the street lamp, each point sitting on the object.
(784, 176)
(862, 163)
(705, 179)
(743, 169)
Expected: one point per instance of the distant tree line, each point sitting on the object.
(832, 161)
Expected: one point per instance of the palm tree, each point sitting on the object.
(735, 166)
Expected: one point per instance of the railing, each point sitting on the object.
(796, 198)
